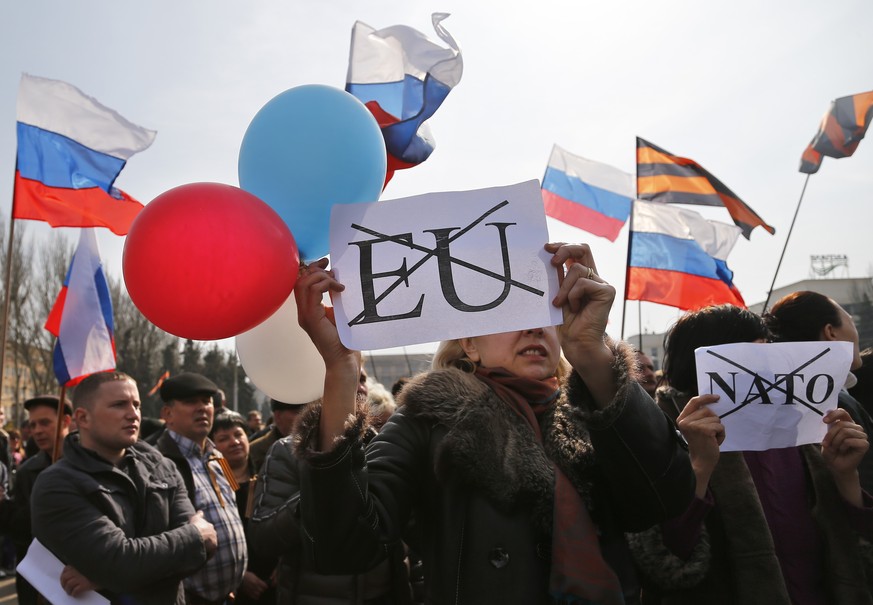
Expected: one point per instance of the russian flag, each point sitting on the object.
(403, 77)
(678, 258)
(81, 317)
(586, 194)
(70, 151)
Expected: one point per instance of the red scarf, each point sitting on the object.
(578, 570)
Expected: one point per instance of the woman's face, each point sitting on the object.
(530, 354)
(848, 332)
(233, 444)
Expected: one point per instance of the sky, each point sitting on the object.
(738, 86)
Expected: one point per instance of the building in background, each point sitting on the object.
(854, 294)
(18, 384)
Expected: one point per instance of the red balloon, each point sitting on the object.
(208, 261)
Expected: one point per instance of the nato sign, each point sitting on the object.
(773, 395)
(442, 265)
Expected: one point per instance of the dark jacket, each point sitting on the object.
(15, 515)
(481, 487)
(260, 446)
(125, 530)
(170, 449)
(275, 531)
(735, 562)
(16, 511)
(860, 416)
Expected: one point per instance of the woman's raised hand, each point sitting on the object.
(314, 317)
(585, 300)
(342, 366)
(704, 432)
(843, 448)
(584, 297)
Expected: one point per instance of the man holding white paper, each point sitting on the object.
(115, 511)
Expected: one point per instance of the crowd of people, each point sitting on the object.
(546, 465)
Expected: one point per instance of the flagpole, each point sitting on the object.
(788, 237)
(7, 289)
(630, 237)
(57, 447)
(640, 321)
(626, 275)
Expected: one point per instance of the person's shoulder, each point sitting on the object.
(263, 442)
(35, 464)
(58, 476)
(440, 392)
(167, 446)
(149, 452)
(281, 449)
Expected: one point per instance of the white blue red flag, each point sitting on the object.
(70, 151)
(678, 258)
(81, 318)
(586, 194)
(403, 77)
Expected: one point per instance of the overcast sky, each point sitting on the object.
(738, 86)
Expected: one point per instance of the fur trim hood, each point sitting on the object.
(481, 444)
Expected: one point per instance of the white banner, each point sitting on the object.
(773, 395)
(442, 265)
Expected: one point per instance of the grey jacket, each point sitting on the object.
(127, 531)
(275, 528)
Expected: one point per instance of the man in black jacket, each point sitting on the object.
(15, 511)
(189, 412)
(115, 511)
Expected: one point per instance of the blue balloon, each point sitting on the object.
(308, 148)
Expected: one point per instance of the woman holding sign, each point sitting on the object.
(775, 527)
(805, 316)
(521, 471)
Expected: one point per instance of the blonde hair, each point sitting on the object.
(450, 354)
(379, 399)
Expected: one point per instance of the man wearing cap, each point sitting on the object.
(284, 415)
(114, 510)
(188, 412)
(15, 512)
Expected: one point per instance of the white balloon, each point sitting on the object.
(279, 358)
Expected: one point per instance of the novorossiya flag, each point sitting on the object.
(664, 177)
(842, 128)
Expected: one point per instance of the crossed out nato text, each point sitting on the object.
(761, 387)
(441, 251)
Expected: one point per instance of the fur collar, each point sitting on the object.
(482, 445)
(491, 450)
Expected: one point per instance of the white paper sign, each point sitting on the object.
(441, 266)
(773, 395)
(43, 570)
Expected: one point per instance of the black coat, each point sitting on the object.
(735, 561)
(481, 486)
(126, 531)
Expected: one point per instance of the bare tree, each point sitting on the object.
(37, 277)
(143, 350)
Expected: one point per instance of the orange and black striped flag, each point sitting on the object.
(668, 178)
(842, 128)
(161, 380)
